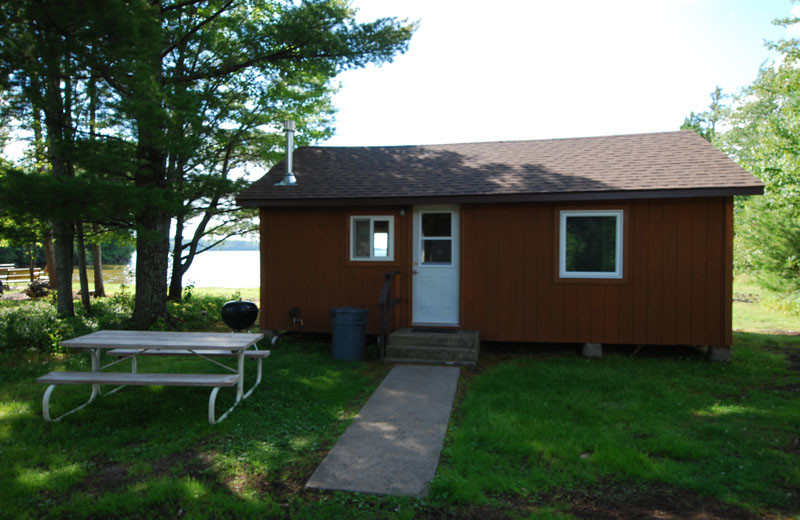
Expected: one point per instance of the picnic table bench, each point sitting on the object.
(10, 274)
(130, 344)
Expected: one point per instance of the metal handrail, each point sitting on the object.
(387, 305)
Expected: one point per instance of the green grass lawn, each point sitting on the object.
(150, 452)
(533, 428)
(758, 310)
(537, 433)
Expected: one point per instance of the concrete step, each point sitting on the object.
(432, 353)
(459, 347)
(407, 361)
(456, 339)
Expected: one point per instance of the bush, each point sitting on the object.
(114, 312)
(34, 325)
(768, 243)
(196, 312)
(38, 289)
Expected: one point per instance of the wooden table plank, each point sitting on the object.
(139, 378)
(156, 339)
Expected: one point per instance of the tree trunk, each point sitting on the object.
(50, 258)
(85, 297)
(97, 264)
(152, 248)
(152, 227)
(176, 278)
(63, 234)
(58, 122)
(152, 222)
(31, 261)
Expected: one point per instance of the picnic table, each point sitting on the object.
(10, 274)
(128, 345)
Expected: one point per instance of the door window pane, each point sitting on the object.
(436, 224)
(437, 251)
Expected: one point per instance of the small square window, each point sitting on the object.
(590, 244)
(372, 238)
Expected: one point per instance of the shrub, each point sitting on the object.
(38, 289)
(768, 243)
(34, 325)
(114, 312)
(196, 312)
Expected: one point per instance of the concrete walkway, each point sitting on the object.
(393, 445)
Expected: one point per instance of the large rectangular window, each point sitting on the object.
(372, 238)
(590, 244)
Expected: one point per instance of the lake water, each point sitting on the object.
(229, 269)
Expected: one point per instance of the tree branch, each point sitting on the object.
(182, 41)
(180, 5)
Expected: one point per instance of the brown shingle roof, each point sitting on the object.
(668, 164)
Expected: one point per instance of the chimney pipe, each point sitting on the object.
(289, 179)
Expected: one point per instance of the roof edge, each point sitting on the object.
(514, 197)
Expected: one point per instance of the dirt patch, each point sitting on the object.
(614, 502)
(14, 296)
(105, 476)
(793, 447)
(791, 353)
(658, 502)
(195, 464)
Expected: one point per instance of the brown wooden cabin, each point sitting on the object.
(622, 239)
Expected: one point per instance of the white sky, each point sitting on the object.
(531, 69)
(535, 69)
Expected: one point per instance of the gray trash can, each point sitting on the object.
(349, 333)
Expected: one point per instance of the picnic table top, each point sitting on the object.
(164, 340)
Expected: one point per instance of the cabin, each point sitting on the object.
(622, 239)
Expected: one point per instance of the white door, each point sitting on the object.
(435, 265)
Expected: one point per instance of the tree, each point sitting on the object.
(764, 137)
(246, 139)
(40, 48)
(171, 62)
(184, 84)
(705, 123)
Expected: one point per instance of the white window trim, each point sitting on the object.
(562, 243)
(390, 243)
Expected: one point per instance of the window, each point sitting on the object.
(372, 238)
(437, 238)
(590, 244)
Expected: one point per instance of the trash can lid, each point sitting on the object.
(348, 309)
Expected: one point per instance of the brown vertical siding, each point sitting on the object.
(727, 275)
(304, 263)
(669, 276)
(676, 287)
